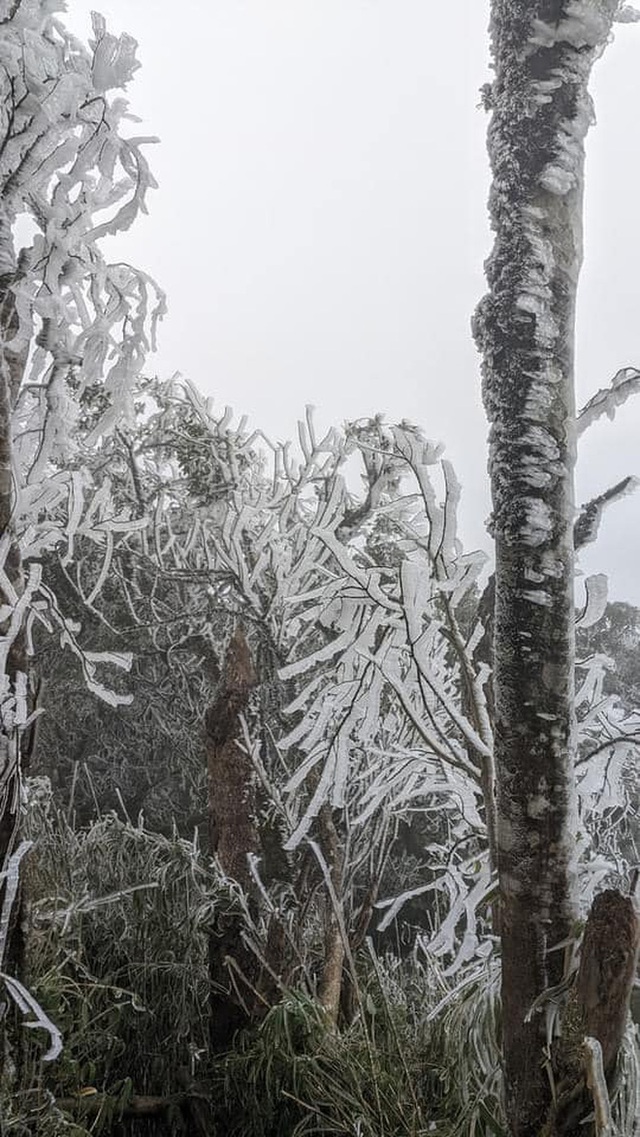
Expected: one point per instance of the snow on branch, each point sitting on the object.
(48, 612)
(114, 57)
(627, 14)
(596, 596)
(77, 320)
(587, 523)
(625, 383)
(10, 877)
(24, 1000)
(75, 330)
(380, 723)
(367, 609)
(27, 1003)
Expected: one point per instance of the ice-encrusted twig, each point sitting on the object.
(11, 877)
(627, 15)
(625, 383)
(26, 1002)
(587, 523)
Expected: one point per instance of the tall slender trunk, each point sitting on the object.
(14, 668)
(232, 827)
(232, 838)
(543, 52)
(331, 977)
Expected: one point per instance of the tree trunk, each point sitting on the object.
(543, 52)
(232, 837)
(331, 976)
(608, 965)
(232, 829)
(14, 665)
(597, 1009)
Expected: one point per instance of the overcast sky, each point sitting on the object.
(320, 223)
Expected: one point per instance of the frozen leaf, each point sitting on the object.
(627, 14)
(26, 1003)
(596, 596)
(114, 60)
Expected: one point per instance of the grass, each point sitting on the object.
(117, 957)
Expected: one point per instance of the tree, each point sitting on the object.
(368, 717)
(543, 54)
(617, 638)
(370, 707)
(74, 331)
(358, 614)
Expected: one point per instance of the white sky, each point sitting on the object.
(320, 225)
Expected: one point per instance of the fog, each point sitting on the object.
(320, 223)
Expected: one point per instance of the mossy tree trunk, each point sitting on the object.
(543, 52)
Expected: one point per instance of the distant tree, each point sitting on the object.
(543, 53)
(617, 637)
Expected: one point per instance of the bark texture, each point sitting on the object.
(597, 1009)
(330, 985)
(232, 830)
(542, 53)
(232, 837)
(608, 966)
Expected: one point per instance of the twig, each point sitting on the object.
(596, 1082)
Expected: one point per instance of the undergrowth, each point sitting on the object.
(117, 958)
(295, 1075)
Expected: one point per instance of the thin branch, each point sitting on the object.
(587, 524)
(633, 738)
(606, 401)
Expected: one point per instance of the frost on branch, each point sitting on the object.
(624, 384)
(75, 329)
(362, 614)
(370, 615)
(627, 14)
(360, 609)
(114, 57)
(390, 712)
(581, 26)
(78, 327)
(587, 523)
(596, 595)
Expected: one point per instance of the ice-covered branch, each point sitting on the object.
(28, 1004)
(587, 523)
(606, 401)
(627, 14)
